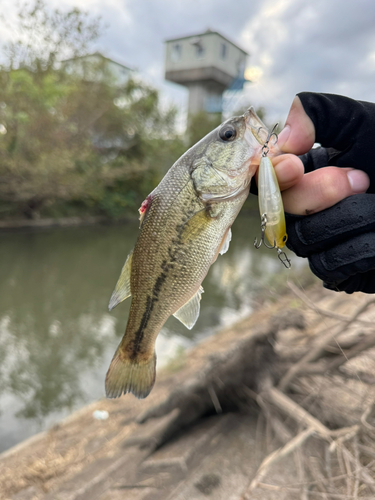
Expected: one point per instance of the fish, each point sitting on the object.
(185, 224)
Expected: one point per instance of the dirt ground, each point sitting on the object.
(220, 454)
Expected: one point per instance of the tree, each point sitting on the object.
(71, 142)
(44, 37)
(200, 124)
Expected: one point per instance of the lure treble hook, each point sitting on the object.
(265, 147)
(280, 253)
(263, 228)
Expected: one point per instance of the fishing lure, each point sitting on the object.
(271, 205)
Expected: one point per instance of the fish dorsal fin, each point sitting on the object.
(189, 312)
(225, 243)
(122, 288)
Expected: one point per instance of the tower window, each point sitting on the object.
(176, 52)
(223, 51)
(199, 50)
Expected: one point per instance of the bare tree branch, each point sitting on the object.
(319, 348)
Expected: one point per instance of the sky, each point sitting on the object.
(294, 45)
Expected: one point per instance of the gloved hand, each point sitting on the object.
(346, 127)
(339, 241)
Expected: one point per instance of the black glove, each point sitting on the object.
(346, 127)
(340, 241)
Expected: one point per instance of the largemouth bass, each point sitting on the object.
(185, 224)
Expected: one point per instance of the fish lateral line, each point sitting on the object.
(150, 302)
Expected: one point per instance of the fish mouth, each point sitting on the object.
(255, 131)
(255, 126)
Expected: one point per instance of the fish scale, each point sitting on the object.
(185, 224)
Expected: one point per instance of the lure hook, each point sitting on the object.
(262, 240)
(280, 253)
(265, 147)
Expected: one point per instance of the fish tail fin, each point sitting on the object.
(125, 375)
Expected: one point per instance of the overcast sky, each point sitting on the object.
(294, 45)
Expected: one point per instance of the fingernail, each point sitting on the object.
(358, 180)
(283, 136)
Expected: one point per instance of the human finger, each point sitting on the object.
(289, 170)
(298, 134)
(323, 188)
(344, 126)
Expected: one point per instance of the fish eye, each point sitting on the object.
(228, 133)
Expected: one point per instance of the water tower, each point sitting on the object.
(207, 64)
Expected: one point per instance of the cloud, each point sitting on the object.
(323, 46)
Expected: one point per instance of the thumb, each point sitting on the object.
(298, 134)
(334, 121)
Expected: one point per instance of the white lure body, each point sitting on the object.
(271, 203)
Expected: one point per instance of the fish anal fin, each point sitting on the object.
(226, 241)
(189, 312)
(126, 375)
(122, 289)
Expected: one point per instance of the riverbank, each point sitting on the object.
(63, 222)
(216, 456)
(47, 223)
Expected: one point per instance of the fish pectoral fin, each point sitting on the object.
(225, 243)
(122, 288)
(189, 312)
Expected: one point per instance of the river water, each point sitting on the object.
(56, 335)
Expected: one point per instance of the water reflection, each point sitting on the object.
(56, 336)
